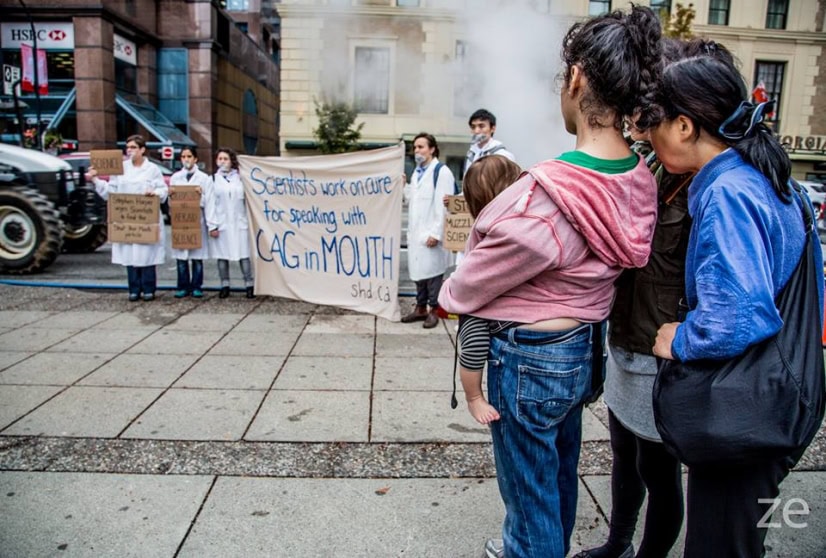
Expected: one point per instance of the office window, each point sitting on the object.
(718, 11)
(466, 89)
(662, 8)
(770, 74)
(599, 7)
(250, 122)
(238, 5)
(173, 86)
(776, 14)
(371, 80)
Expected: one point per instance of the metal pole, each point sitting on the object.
(36, 83)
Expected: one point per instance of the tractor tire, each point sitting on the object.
(31, 232)
(84, 239)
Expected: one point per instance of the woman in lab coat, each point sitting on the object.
(226, 215)
(427, 258)
(191, 175)
(140, 176)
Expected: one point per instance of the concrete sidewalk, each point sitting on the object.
(263, 427)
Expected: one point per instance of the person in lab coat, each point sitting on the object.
(140, 176)
(190, 174)
(226, 215)
(426, 257)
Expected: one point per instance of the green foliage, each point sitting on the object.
(679, 25)
(336, 132)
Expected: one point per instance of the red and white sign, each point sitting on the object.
(27, 61)
(125, 50)
(167, 153)
(50, 36)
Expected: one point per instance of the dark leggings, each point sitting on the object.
(639, 464)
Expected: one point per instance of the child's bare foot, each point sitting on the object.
(482, 411)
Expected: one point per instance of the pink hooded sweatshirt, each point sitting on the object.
(552, 245)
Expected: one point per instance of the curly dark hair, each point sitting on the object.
(619, 54)
(233, 156)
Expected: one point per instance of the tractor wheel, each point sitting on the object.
(84, 239)
(31, 233)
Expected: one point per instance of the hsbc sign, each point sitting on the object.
(125, 50)
(50, 36)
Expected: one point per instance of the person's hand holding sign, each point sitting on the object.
(431, 242)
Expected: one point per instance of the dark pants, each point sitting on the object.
(141, 279)
(726, 505)
(640, 464)
(427, 291)
(196, 280)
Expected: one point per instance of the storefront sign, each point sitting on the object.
(804, 144)
(126, 50)
(50, 36)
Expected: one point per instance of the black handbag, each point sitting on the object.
(765, 403)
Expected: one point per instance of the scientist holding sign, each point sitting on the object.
(426, 256)
(140, 176)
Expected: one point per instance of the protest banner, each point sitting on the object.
(185, 217)
(458, 223)
(325, 229)
(134, 218)
(107, 161)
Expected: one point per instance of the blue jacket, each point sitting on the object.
(744, 245)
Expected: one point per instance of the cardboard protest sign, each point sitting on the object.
(458, 223)
(325, 229)
(185, 217)
(107, 161)
(134, 218)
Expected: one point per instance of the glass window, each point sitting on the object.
(238, 5)
(776, 14)
(173, 86)
(250, 122)
(466, 90)
(371, 80)
(599, 7)
(662, 8)
(718, 11)
(126, 77)
(769, 75)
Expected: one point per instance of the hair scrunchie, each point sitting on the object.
(731, 128)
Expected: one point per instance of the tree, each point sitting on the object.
(336, 132)
(679, 25)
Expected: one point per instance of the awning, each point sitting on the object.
(163, 130)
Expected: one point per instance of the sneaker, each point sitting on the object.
(181, 294)
(133, 297)
(197, 293)
(494, 548)
(224, 292)
(149, 297)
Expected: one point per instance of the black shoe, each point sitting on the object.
(148, 297)
(250, 292)
(134, 297)
(224, 293)
(607, 551)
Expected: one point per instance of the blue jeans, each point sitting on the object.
(197, 279)
(141, 278)
(538, 382)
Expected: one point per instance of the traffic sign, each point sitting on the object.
(11, 74)
(167, 153)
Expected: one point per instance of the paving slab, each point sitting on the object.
(16, 401)
(177, 342)
(197, 414)
(75, 319)
(266, 343)
(101, 340)
(422, 416)
(20, 318)
(86, 411)
(592, 428)
(130, 321)
(325, 373)
(232, 372)
(201, 321)
(407, 346)
(269, 323)
(329, 344)
(384, 326)
(33, 339)
(53, 368)
(9, 358)
(136, 370)
(92, 515)
(322, 323)
(416, 373)
(312, 416)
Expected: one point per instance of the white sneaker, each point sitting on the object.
(494, 548)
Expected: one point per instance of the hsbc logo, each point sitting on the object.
(49, 36)
(57, 35)
(127, 50)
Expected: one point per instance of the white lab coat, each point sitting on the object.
(199, 178)
(226, 212)
(426, 216)
(137, 180)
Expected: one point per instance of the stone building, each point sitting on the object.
(179, 71)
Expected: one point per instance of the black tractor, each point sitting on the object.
(44, 210)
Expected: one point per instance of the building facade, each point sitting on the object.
(181, 72)
(425, 65)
